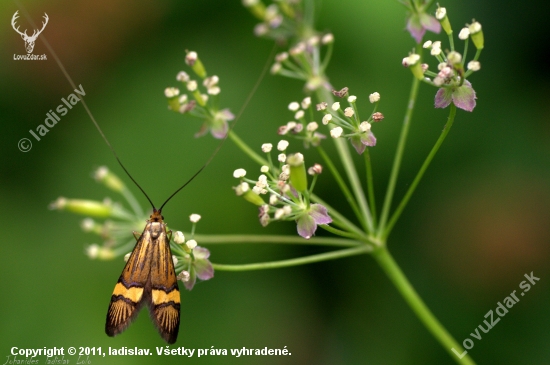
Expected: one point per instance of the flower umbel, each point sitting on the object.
(347, 123)
(193, 260)
(288, 192)
(451, 75)
(201, 104)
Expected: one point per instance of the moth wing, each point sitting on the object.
(164, 306)
(131, 290)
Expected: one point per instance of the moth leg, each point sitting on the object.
(137, 235)
(169, 234)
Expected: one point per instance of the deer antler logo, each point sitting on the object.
(29, 41)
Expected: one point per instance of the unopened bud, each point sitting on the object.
(477, 34)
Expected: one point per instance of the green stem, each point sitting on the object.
(247, 150)
(370, 184)
(398, 155)
(339, 232)
(420, 173)
(341, 183)
(295, 262)
(394, 273)
(336, 215)
(276, 239)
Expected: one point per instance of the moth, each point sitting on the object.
(148, 279)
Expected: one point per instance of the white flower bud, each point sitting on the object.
(262, 181)
(464, 34)
(364, 126)
(293, 106)
(194, 218)
(438, 81)
(427, 44)
(192, 85)
(264, 169)
(170, 92)
(281, 57)
(348, 112)
(183, 99)
(184, 276)
(336, 132)
(191, 58)
(238, 173)
(440, 13)
(191, 244)
(282, 145)
(242, 188)
(214, 90)
(299, 114)
(352, 99)
(182, 76)
(327, 118)
(276, 68)
(474, 65)
(285, 169)
(279, 213)
(374, 97)
(454, 57)
(306, 102)
(92, 251)
(179, 238)
(87, 224)
(273, 199)
(266, 147)
(474, 28)
(281, 157)
(335, 106)
(261, 29)
(312, 126)
(127, 256)
(327, 38)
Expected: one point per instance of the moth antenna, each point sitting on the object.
(68, 77)
(243, 107)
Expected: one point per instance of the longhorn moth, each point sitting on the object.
(149, 277)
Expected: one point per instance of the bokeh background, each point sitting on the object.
(478, 222)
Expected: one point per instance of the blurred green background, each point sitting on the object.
(478, 222)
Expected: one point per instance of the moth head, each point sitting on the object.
(156, 216)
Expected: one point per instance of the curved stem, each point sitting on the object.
(398, 156)
(337, 216)
(339, 232)
(427, 161)
(295, 262)
(394, 273)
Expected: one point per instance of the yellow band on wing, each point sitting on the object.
(160, 296)
(134, 293)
